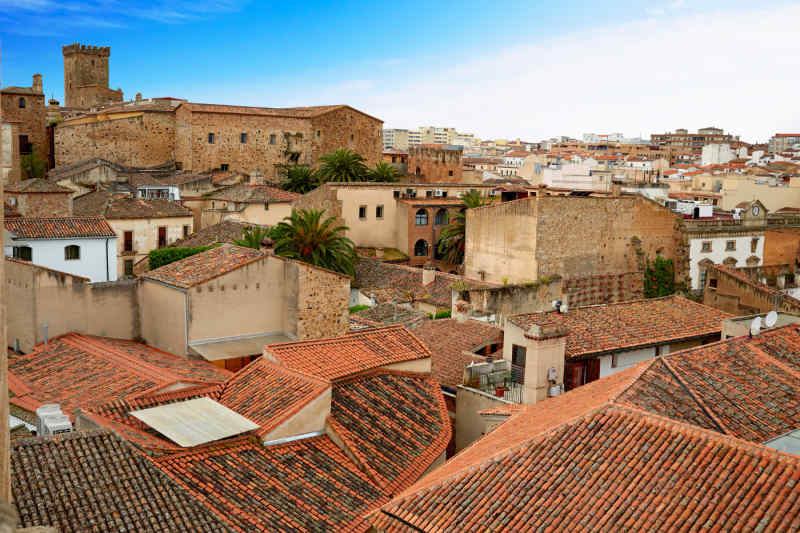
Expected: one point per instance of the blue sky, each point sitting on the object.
(511, 68)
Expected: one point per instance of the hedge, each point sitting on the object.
(165, 256)
(356, 308)
(441, 314)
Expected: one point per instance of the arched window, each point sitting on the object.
(21, 103)
(753, 260)
(422, 218)
(441, 217)
(730, 262)
(72, 252)
(703, 266)
(421, 248)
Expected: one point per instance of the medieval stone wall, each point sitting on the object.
(322, 303)
(430, 164)
(29, 121)
(83, 65)
(42, 204)
(133, 139)
(347, 128)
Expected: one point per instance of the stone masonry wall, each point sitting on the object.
(435, 165)
(270, 141)
(347, 128)
(322, 303)
(323, 197)
(83, 65)
(30, 121)
(43, 204)
(140, 139)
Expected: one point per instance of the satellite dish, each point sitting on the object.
(755, 326)
(771, 319)
(564, 308)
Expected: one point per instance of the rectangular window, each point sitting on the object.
(379, 212)
(397, 194)
(128, 236)
(730, 246)
(162, 236)
(449, 172)
(186, 230)
(23, 252)
(754, 245)
(72, 252)
(362, 211)
(210, 138)
(319, 133)
(706, 246)
(25, 146)
(518, 354)
(272, 139)
(243, 138)
(129, 267)
(224, 166)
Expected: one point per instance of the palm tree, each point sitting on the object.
(383, 172)
(252, 237)
(453, 237)
(307, 236)
(342, 165)
(299, 179)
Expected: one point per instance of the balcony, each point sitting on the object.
(499, 378)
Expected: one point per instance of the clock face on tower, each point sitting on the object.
(755, 210)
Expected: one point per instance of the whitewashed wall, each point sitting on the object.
(718, 253)
(97, 262)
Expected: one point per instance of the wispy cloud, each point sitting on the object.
(51, 17)
(689, 70)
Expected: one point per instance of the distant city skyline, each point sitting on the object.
(521, 71)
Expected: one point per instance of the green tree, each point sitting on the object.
(252, 237)
(310, 237)
(659, 278)
(299, 179)
(453, 237)
(383, 172)
(342, 165)
(33, 166)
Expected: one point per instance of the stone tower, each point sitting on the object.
(85, 74)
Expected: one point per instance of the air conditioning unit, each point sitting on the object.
(438, 193)
(51, 421)
(492, 193)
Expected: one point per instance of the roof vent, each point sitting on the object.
(51, 421)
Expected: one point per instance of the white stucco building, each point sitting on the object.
(82, 246)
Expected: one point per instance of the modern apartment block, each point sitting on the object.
(401, 139)
(781, 142)
(693, 141)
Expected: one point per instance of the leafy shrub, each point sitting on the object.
(165, 256)
(441, 314)
(356, 308)
(659, 278)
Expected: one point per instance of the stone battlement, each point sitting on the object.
(86, 49)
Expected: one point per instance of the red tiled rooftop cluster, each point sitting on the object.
(205, 266)
(604, 328)
(59, 227)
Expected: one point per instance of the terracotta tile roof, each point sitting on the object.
(305, 485)
(268, 393)
(601, 329)
(100, 202)
(254, 194)
(401, 283)
(37, 185)
(205, 266)
(690, 413)
(93, 481)
(83, 371)
(388, 314)
(338, 357)
(59, 228)
(224, 232)
(448, 339)
(13, 89)
(408, 413)
(614, 469)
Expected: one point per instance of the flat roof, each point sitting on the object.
(194, 422)
(239, 347)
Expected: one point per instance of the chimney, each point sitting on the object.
(544, 349)
(428, 273)
(138, 97)
(37, 82)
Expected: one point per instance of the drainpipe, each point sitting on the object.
(44, 328)
(108, 276)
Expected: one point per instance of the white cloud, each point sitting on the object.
(737, 70)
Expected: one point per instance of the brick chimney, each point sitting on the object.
(138, 97)
(37, 82)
